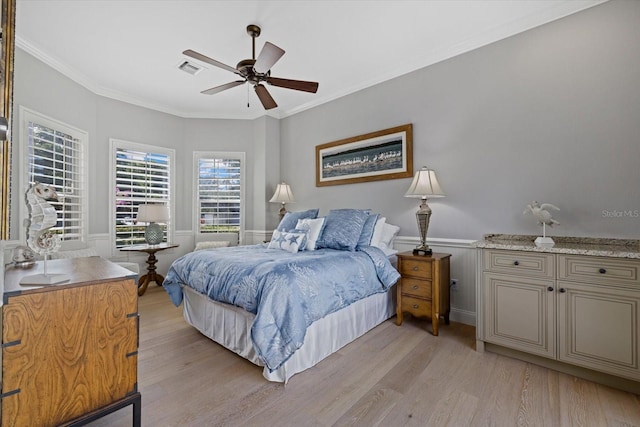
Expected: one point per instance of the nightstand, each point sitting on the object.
(423, 289)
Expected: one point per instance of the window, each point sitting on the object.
(142, 174)
(53, 154)
(219, 199)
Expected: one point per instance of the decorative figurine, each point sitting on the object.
(544, 218)
(42, 216)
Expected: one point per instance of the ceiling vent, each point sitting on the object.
(190, 68)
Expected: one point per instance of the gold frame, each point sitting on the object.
(356, 142)
(6, 107)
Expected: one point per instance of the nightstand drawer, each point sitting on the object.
(416, 306)
(416, 287)
(416, 268)
(519, 263)
(606, 271)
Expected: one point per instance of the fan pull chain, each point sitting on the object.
(247, 96)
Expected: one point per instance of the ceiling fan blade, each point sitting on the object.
(200, 57)
(269, 55)
(266, 99)
(294, 84)
(220, 88)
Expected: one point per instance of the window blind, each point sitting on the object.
(219, 195)
(55, 158)
(141, 177)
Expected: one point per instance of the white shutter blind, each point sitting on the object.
(55, 158)
(140, 178)
(219, 194)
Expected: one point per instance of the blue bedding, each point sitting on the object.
(287, 292)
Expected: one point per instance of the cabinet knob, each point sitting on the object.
(516, 262)
(415, 268)
(563, 290)
(602, 271)
(416, 306)
(415, 287)
(550, 288)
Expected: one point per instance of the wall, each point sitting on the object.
(551, 114)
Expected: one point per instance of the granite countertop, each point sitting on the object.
(594, 246)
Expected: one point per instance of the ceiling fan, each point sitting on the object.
(256, 71)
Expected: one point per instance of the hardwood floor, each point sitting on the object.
(392, 376)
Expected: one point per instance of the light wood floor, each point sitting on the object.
(392, 376)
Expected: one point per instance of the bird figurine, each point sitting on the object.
(541, 213)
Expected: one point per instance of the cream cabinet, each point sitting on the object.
(577, 309)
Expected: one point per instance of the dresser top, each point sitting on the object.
(81, 271)
(594, 246)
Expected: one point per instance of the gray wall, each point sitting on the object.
(552, 114)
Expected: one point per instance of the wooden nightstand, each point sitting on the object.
(423, 290)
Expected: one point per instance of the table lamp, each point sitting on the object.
(152, 215)
(282, 195)
(424, 184)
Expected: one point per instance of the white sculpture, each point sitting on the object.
(42, 216)
(544, 218)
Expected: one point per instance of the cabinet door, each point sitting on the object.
(520, 313)
(598, 328)
(68, 351)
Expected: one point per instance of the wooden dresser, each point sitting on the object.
(69, 351)
(575, 306)
(423, 290)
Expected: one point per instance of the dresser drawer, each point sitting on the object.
(519, 263)
(606, 271)
(415, 268)
(416, 287)
(416, 306)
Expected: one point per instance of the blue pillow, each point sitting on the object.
(367, 230)
(290, 219)
(342, 229)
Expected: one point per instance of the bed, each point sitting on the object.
(285, 309)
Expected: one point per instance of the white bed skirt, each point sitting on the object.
(230, 327)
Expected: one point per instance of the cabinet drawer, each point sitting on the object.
(519, 263)
(416, 306)
(606, 271)
(416, 287)
(415, 268)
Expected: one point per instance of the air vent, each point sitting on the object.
(190, 68)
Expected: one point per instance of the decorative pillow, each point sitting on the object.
(342, 229)
(314, 227)
(377, 231)
(290, 219)
(290, 241)
(367, 230)
(211, 245)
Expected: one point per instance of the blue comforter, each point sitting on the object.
(287, 292)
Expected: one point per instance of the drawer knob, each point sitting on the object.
(563, 290)
(550, 288)
(415, 287)
(602, 271)
(415, 268)
(416, 306)
(516, 262)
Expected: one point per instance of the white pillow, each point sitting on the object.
(290, 241)
(389, 233)
(315, 228)
(211, 244)
(377, 231)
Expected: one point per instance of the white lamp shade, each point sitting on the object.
(425, 184)
(283, 194)
(153, 213)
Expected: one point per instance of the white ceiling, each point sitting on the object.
(130, 50)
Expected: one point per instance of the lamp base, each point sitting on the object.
(153, 234)
(420, 250)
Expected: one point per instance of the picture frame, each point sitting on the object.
(381, 155)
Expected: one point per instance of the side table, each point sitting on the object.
(151, 275)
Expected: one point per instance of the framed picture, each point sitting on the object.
(376, 156)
